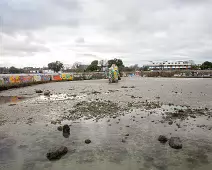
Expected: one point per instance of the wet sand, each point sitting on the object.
(142, 109)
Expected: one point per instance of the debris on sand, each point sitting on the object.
(12, 104)
(123, 140)
(60, 128)
(66, 129)
(87, 141)
(175, 142)
(162, 139)
(56, 153)
(38, 91)
(47, 93)
(93, 109)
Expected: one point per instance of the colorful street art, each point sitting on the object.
(1, 81)
(14, 79)
(37, 78)
(67, 77)
(56, 78)
(45, 77)
(26, 79)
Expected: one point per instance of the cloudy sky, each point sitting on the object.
(36, 32)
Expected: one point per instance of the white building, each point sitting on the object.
(170, 65)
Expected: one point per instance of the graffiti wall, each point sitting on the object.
(37, 78)
(56, 78)
(15, 79)
(26, 79)
(67, 76)
(1, 81)
(45, 77)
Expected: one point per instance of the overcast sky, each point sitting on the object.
(36, 32)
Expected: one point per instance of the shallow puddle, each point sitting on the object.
(11, 99)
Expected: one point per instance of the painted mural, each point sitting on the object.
(14, 79)
(1, 81)
(56, 78)
(26, 79)
(45, 77)
(67, 77)
(37, 78)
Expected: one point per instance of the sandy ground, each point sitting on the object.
(105, 113)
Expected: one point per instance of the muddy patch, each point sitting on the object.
(93, 109)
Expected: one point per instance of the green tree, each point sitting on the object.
(206, 65)
(116, 61)
(93, 66)
(55, 66)
(14, 70)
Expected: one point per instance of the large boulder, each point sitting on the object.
(175, 142)
(56, 153)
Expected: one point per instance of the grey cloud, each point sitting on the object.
(80, 40)
(11, 46)
(138, 30)
(23, 15)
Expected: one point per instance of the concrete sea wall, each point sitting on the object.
(20, 80)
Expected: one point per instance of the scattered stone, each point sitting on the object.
(109, 124)
(142, 117)
(175, 142)
(38, 91)
(170, 122)
(114, 116)
(192, 116)
(53, 122)
(87, 141)
(47, 93)
(127, 135)
(178, 125)
(56, 153)
(127, 126)
(162, 139)
(123, 140)
(12, 104)
(60, 128)
(153, 121)
(66, 129)
(108, 120)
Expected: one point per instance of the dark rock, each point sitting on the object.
(47, 93)
(66, 129)
(178, 125)
(56, 153)
(153, 121)
(12, 104)
(192, 116)
(60, 128)
(127, 135)
(66, 135)
(123, 140)
(87, 141)
(170, 122)
(38, 91)
(175, 142)
(162, 139)
(127, 126)
(53, 122)
(114, 116)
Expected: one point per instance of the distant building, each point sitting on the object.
(170, 65)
